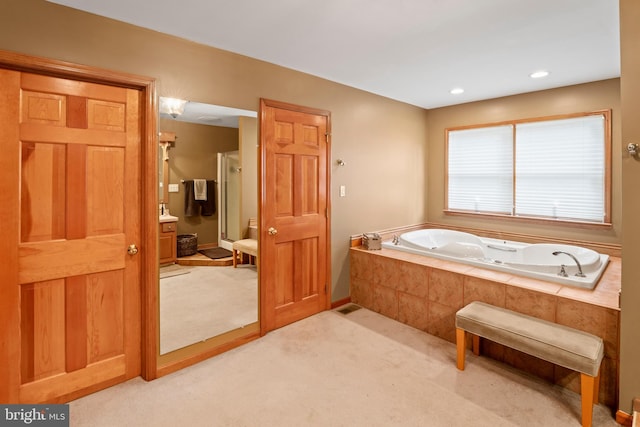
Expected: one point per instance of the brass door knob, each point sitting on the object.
(272, 231)
(132, 250)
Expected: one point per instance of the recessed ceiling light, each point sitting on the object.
(456, 91)
(539, 74)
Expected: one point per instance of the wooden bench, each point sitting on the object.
(244, 246)
(558, 344)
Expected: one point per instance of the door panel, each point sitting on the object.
(79, 292)
(294, 267)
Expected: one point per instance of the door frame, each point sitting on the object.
(149, 198)
(263, 201)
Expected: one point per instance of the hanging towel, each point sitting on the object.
(209, 205)
(200, 189)
(191, 207)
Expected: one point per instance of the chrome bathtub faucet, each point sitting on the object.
(578, 274)
(396, 240)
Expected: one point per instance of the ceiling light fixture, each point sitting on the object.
(456, 91)
(172, 106)
(539, 74)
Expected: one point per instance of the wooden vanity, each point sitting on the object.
(168, 245)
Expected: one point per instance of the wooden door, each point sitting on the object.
(294, 245)
(71, 301)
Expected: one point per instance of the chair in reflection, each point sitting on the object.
(247, 246)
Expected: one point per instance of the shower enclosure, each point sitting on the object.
(228, 198)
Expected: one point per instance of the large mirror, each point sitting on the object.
(207, 168)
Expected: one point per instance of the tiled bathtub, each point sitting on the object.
(426, 293)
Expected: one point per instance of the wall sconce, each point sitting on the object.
(633, 149)
(172, 106)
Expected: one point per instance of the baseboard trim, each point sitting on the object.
(624, 419)
(340, 302)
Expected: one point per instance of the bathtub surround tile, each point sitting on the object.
(385, 301)
(396, 287)
(568, 379)
(492, 275)
(596, 320)
(413, 311)
(361, 292)
(414, 280)
(588, 318)
(492, 349)
(534, 284)
(484, 290)
(358, 265)
(442, 321)
(446, 288)
(530, 364)
(612, 333)
(608, 382)
(604, 298)
(531, 303)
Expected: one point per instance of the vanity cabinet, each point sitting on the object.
(168, 245)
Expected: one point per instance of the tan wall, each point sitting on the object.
(383, 142)
(630, 301)
(580, 98)
(194, 156)
(249, 162)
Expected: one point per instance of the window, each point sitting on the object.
(551, 168)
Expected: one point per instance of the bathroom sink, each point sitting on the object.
(168, 218)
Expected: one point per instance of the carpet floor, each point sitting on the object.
(206, 302)
(358, 369)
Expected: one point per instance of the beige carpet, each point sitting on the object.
(173, 270)
(360, 369)
(206, 302)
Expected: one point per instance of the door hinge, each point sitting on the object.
(326, 212)
(325, 288)
(326, 136)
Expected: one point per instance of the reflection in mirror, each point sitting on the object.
(209, 198)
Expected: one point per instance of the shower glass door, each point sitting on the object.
(229, 203)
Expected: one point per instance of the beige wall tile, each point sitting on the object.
(536, 304)
(445, 288)
(476, 289)
(442, 321)
(385, 301)
(413, 311)
(362, 292)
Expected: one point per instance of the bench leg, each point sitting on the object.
(589, 388)
(460, 347)
(475, 344)
(235, 257)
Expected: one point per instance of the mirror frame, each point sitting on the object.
(158, 364)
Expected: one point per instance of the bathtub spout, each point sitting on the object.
(579, 273)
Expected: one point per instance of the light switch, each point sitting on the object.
(174, 188)
(343, 190)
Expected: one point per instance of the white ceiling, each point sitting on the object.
(212, 115)
(413, 51)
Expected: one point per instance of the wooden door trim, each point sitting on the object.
(149, 203)
(264, 103)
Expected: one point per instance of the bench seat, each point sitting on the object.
(558, 344)
(244, 246)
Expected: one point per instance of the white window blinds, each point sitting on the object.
(548, 168)
(560, 168)
(480, 169)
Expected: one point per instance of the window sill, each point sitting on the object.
(535, 220)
